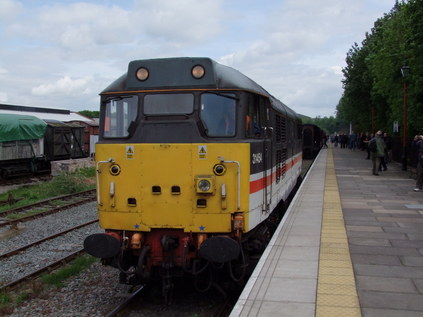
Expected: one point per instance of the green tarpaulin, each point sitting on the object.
(15, 127)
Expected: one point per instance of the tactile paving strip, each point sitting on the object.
(336, 289)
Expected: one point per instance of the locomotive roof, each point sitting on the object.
(175, 73)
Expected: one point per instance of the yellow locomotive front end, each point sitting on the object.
(197, 189)
(192, 187)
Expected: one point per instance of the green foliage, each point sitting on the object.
(87, 172)
(328, 124)
(90, 114)
(373, 84)
(4, 298)
(22, 297)
(66, 183)
(74, 267)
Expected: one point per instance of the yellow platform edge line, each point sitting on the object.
(336, 288)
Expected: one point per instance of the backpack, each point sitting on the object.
(372, 145)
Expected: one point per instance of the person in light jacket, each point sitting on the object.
(378, 146)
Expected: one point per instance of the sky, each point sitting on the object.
(62, 54)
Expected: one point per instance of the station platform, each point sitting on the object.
(351, 244)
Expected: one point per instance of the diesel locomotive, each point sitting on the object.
(194, 162)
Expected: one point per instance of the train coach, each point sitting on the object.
(194, 161)
(312, 140)
(28, 144)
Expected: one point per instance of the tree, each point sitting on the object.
(90, 114)
(373, 85)
(329, 124)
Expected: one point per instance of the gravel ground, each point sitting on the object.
(88, 294)
(96, 291)
(27, 232)
(30, 260)
(93, 293)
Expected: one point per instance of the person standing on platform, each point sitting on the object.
(366, 141)
(325, 140)
(377, 151)
(418, 141)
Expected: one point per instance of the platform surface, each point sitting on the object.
(351, 244)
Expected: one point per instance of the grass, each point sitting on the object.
(8, 301)
(66, 183)
(4, 298)
(74, 268)
(26, 214)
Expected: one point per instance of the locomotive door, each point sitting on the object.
(267, 162)
(258, 127)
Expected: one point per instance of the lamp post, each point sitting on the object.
(405, 70)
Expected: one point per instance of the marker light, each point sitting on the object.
(205, 184)
(142, 73)
(219, 169)
(198, 71)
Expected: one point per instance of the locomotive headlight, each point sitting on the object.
(114, 169)
(142, 73)
(198, 71)
(204, 184)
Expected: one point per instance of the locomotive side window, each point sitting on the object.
(168, 104)
(120, 112)
(217, 114)
(256, 116)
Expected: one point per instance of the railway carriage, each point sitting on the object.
(194, 161)
(21, 145)
(28, 145)
(312, 140)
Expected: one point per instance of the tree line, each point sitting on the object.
(374, 85)
(373, 96)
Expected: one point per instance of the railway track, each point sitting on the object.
(32, 246)
(38, 272)
(188, 303)
(27, 246)
(23, 180)
(24, 252)
(45, 207)
(119, 308)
